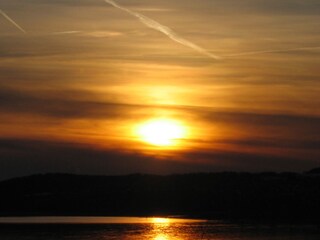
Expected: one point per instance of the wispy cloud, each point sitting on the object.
(97, 34)
(12, 21)
(103, 34)
(66, 32)
(154, 9)
(164, 29)
(272, 51)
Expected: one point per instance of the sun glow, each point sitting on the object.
(160, 220)
(161, 132)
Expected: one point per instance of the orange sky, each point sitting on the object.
(86, 74)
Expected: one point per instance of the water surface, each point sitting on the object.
(133, 228)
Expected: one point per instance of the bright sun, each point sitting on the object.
(161, 132)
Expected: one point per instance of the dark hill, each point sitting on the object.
(314, 171)
(263, 196)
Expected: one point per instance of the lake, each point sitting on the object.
(135, 228)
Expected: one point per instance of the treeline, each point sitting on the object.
(259, 196)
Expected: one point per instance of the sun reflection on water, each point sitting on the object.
(161, 237)
(160, 228)
(170, 228)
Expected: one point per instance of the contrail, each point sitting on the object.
(271, 51)
(66, 32)
(164, 29)
(12, 21)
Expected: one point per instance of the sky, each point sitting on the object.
(78, 79)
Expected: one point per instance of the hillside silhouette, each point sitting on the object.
(314, 171)
(257, 196)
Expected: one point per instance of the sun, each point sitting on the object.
(161, 132)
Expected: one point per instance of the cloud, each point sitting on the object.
(24, 157)
(278, 142)
(98, 34)
(310, 144)
(103, 34)
(289, 7)
(250, 7)
(278, 132)
(70, 3)
(58, 104)
(66, 32)
(272, 51)
(145, 9)
(164, 29)
(222, 160)
(75, 103)
(259, 119)
(20, 157)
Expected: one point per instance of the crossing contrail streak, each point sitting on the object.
(164, 29)
(12, 21)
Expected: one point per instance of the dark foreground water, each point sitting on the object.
(86, 228)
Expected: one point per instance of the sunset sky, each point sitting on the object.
(239, 81)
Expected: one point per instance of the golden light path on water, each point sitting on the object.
(163, 228)
(133, 228)
(156, 221)
(159, 228)
(161, 237)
